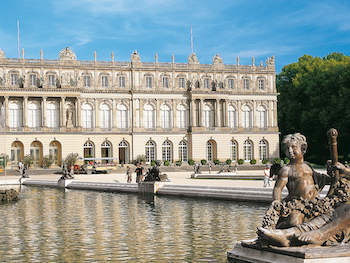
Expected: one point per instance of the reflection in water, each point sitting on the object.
(55, 225)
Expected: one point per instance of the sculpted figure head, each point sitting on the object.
(294, 145)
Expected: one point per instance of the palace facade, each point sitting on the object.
(165, 111)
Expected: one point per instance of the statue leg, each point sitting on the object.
(277, 237)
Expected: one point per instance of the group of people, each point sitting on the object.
(141, 173)
(23, 169)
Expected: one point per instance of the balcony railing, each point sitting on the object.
(211, 128)
(36, 129)
(16, 129)
(106, 129)
(55, 129)
(150, 129)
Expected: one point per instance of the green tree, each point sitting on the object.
(313, 97)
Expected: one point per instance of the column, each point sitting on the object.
(141, 122)
(200, 118)
(78, 112)
(274, 124)
(6, 107)
(217, 113)
(254, 115)
(226, 113)
(158, 113)
(63, 112)
(114, 114)
(25, 111)
(97, 113)
(174, 114)
(192, 114)
(239, 114)
(44, 124)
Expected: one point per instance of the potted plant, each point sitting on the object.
(252, 161)
(191, 162)
(240, 161)
(203, 162)
(228, 161)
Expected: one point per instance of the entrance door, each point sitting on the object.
(123, 152)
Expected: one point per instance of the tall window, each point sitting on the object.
(206, 83)
(87, 81)
(15, 115)
(87, 116)
(122, 82)
(34, 115)
(183, 151)
(35, 150)
(209, 151)
(106, 151)
(14, 79)
(165, 116)
(247, 151)
(88, 149)
(53, 151)
(32, 80)
(104, 81)
(182, 83)
(261, 84)
(149, 116)
(246, 83)
(181, 116)
(231, 117)
(165, 82)
(150, 151)
(105, 116)
(246, 117)
(207, 116)
(148, 82)
(233, 150)
(52, 80)
(230, 83)
(262, 150)
(122, 116)
(261, 117)
(52, 115)
(166, 151)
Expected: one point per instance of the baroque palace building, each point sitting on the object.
(166, 111)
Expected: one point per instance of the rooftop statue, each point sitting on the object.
(217, 59)
(302, 217)
(135, 57)
(192, 59)
(67, 54)
(2, 54)
(270, 61)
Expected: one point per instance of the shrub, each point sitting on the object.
(153, 163)
(47, 161)
(277, 160)
(178, 163)
(216, 162)
(71, 159)
(166, 163)
(140, 158)
(252, 161)
(286, 160)
(28, 160)
(240, 161)
(265, 161)
(191, 162)
(228, 161)
(4, 158)
(203, 162)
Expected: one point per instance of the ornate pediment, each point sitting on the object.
(67, 54)
(135, 57)
(217, 59)
(2, 54)
(192, 59)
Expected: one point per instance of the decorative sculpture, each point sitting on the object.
(192, 59)
(135, 57)
(217, 59)
(67, 54)
(154, 174)
(302, 217)
(2, 54)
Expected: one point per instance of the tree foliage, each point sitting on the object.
(314, 97)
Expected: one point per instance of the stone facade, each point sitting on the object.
(167, 111)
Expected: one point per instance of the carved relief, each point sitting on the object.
(67, 54)
(135, 57)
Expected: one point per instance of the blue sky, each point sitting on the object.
(244, 28)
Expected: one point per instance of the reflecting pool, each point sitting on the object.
(55, 225)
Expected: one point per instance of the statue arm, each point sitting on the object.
(281, 182)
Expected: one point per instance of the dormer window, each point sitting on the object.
(52, 80)
(181, 82)
(165, 82)
(87, 81)
(206, 83)
(246, 84)
(148, 82)
(32, 80)
(261, 84)
(104, 81)
(14, 79)
(230, 83)
(122, 82)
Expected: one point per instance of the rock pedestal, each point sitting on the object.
(150, 187)
(321, 254)
(9, 195)
(64, 182)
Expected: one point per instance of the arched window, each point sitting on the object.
(122, 116)
(247, 151)
(53, 151)
(166, 151)
(207, 116)
(88, 149)
(34, 115)
(149, 116)
(246, 117)
(233, 150)
(15, 115)
(231, 117)
(123, 152)
(209, 151)
(150, 151)
(87, 116)
(262, 150)
(105, 116)
(181, 116)
(261, 117)
(36, 151)
(165, 114)
(106, 151)
(183, 151)
(52, 115)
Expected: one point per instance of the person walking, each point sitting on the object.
(267, 181)
(139, 173)
(128, 174)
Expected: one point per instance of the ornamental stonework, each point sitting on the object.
(2, 54)
(67, 54)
